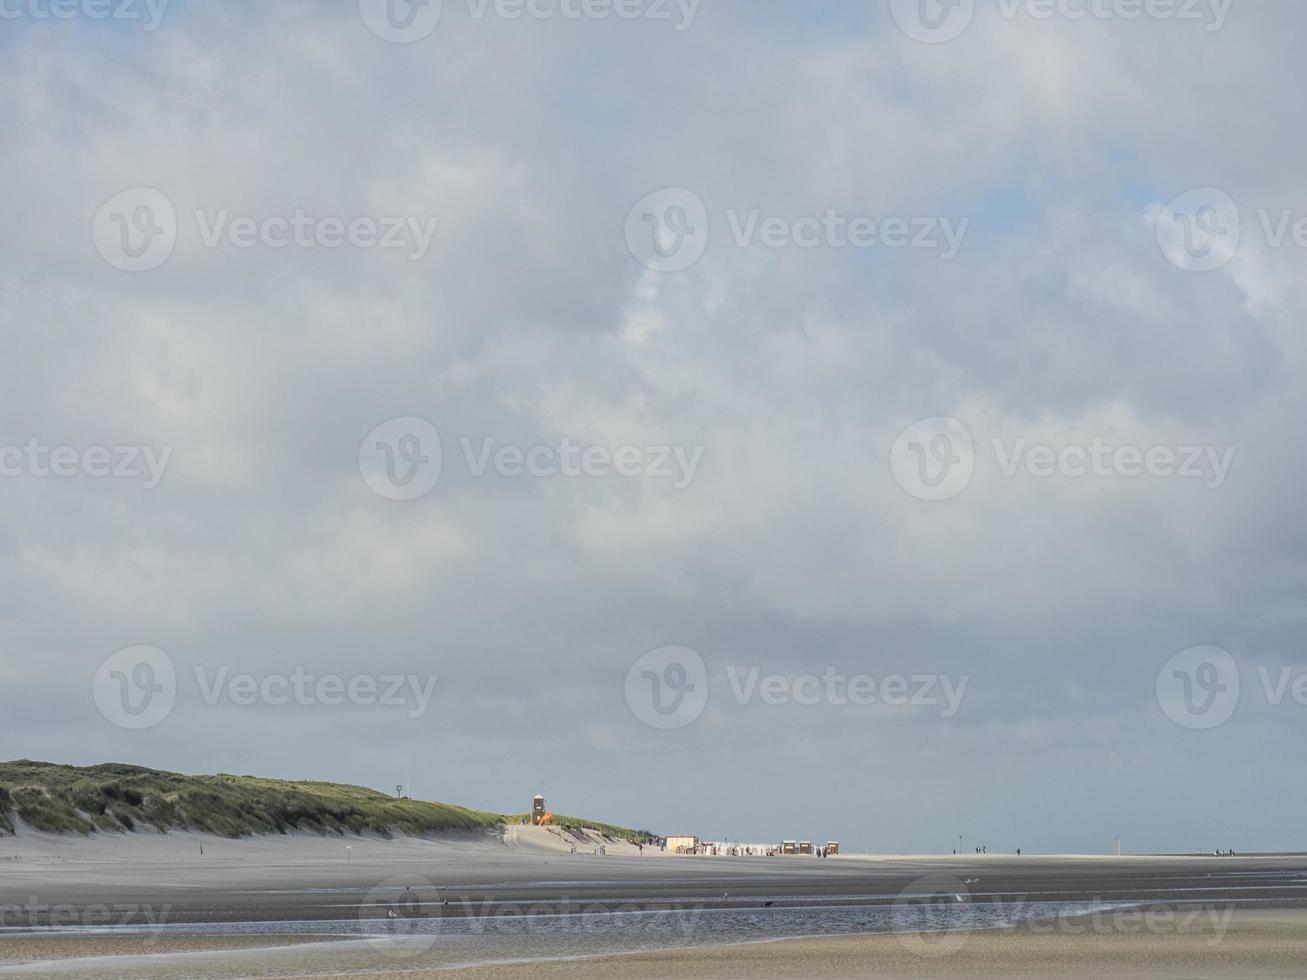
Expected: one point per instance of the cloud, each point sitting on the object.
(794, 549)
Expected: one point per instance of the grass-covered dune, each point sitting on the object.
(580, 823)
(115, 797)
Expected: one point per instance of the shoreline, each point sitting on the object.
(1261, 943)
(308, 906)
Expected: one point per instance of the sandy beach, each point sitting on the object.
(1256, 944)
(539, 902)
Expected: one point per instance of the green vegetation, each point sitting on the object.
(114, 798)
(579, 823)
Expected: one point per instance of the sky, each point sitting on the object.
(864, 421)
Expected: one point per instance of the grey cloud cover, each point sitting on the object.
(793, 550)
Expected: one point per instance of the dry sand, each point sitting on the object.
(1255, 944)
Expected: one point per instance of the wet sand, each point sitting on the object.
(1266, 943)
(238, 898)
(188, 878)
(49, 948)
(1255, 944)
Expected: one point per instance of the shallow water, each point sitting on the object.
(416, 940)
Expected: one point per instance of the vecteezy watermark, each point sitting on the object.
(39, 461)
(1115, 919)
(668, 230)
(750, 685)
(403, 460)
(401, 21)
(411, 691)
(1201, 688)
(935, 459)
(928, 916)
(668, 688)
(936, 915)
(403, 916)
(137, 230)
(137, 688)
(406, 21)
(1198, 688)
(38, 914)
(1201, 230)
(148, 12)
(939, 21)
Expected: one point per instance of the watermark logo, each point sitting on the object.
(136, 688)
(401, 460)
(933, 21)
(148, 12)
(1202, 230)
(934, 459)
(1198, 688)
(411, 691)
(939, 21)
(402, 916)
(401, 21)
(39, 461)
(667, 231)
(406, 21)
(834, 229)
(36, 914)
(136, 229)
(667, 688)
(836, 689)
(1199, 230)
(926, 919)
(1210, 465)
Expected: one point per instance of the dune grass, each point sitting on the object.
(114, 798)
(580, 823)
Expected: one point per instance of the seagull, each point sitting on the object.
(958, 898)
(390, 914)
(972, 881)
